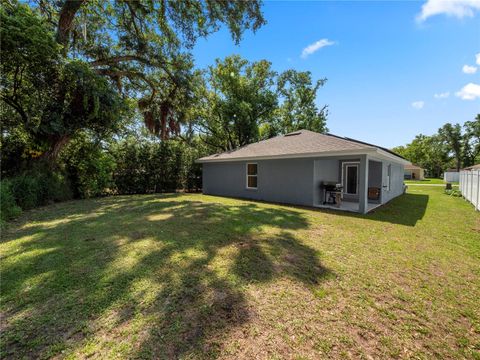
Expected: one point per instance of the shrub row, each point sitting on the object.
(30, 190)
(8, 206)
(153, 167)
(87, 169)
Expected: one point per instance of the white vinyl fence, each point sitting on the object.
(470, 186)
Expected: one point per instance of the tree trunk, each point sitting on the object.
(65, 21)
(58, 144)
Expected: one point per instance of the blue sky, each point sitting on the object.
(387, 62)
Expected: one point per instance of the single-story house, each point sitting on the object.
(413, 172)
(473, 167)
(307, 168)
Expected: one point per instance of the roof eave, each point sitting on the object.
(292, 156)
(393, 157)
(369, 151)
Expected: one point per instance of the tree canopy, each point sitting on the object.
(50, 98)
(242, 102)
(142, 46)
(452, 146)
(298, 110)
(236, 97)
(123, 50)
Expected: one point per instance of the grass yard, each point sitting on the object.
(425, 181)
(193, 276)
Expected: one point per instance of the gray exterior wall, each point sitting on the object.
(325, 170)
(296, 181)
(396, 181)
(283, 181)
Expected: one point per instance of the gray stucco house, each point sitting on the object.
(307, 168)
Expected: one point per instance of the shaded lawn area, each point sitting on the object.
(194, 276)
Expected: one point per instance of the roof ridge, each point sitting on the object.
(369, 144)
(351, 140)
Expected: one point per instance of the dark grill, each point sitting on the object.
(330, 190)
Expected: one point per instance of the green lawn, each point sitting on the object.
(426, 181)
(193, 276)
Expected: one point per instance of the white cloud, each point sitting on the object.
(457, 8)
(418, 104)
(310, 49)
(470, 91)
(443, 95)
(467, 69)
(477, 56)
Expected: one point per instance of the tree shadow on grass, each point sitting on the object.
(164, 275)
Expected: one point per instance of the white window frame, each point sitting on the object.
(345, 165)
(247, 176)
(389, 176)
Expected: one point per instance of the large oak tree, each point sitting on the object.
(142, 48)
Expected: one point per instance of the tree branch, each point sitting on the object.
(216, 146)
(133, 14)
(16, 106)
(129, 75)
(117, 59)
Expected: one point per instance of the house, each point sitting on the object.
(473, 167)
(307, 168)
(413, 172)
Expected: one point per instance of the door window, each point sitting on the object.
(351, 179)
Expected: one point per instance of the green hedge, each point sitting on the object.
(155, 167)
(89, 169)
(30, 190)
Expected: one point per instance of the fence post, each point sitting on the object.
(461, 183)
(478, 191)
(471, 187)
(469, 190)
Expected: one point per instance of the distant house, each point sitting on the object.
(307, 168)
(473, 167)
(413, 172)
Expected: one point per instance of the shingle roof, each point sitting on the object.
(412, 167)
(473, 167)
(297, 143)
